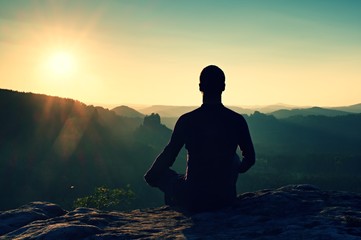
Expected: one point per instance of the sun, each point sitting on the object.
(61, 63)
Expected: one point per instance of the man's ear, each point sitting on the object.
(201, 87)
(223, 87)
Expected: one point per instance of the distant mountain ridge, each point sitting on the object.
(170, 114)
(278, 110)
(167, 111)
(356, 108)
(126, 111)
(316, 111)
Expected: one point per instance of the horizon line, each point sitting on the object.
(143, 105)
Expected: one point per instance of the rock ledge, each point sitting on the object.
(290, 212)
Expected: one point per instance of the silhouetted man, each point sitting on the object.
(211, 134)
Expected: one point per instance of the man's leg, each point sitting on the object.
(172, 185)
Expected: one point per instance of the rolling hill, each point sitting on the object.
(317, 111)
(278, 110)
(126, 111)
(356, 108)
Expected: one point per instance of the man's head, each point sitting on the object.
(212, 80)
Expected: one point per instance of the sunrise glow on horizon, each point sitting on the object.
(305, 53)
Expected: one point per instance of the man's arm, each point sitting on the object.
(246, 146)
(167, 157)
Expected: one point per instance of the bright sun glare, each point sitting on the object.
(61, 63)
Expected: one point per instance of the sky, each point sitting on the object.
(114, 52)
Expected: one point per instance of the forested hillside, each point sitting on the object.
(59, 149)
(325, 151)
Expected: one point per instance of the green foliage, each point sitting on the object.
(104, 199)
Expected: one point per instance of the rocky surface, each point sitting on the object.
(290, 212)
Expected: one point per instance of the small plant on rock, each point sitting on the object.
(104, 198)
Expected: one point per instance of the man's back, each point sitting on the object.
(211, 135)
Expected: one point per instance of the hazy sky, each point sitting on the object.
(151, 52)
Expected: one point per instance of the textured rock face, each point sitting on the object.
(291, 212)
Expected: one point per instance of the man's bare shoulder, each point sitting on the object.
(190, 114)
(186, 118)
(234, 114)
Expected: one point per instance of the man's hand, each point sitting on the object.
(244, 167)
